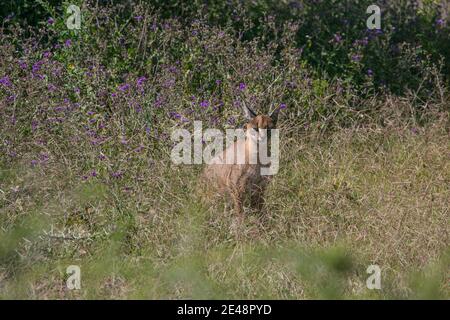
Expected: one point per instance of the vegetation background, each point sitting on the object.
(86, 178)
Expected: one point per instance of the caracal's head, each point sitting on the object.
(259, 126)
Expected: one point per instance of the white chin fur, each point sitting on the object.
(262, 135)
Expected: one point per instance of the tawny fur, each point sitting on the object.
(240, 181)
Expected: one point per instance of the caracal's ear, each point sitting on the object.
(248, 113)
(274, 115)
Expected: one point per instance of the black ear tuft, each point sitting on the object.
(249, 113)
(274, 115)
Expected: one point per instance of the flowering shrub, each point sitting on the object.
(133, 72)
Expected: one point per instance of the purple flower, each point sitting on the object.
(364, 42)
(44, 157)
(34, 125)
(356, 57)
(173, 69)
(204, 104)
(282, 106)
(175, 115)
(373, 33)
(117, 174)
(50, 21)
(124, 87)
(93, 173)
(68, 43)
(218, 82)
(337, 38)
(22, 65)
(34, 163)
(5, 81)
(169, 83)
(369, 72)
(378, 31)
(47, 54)
(158, 102)
(97, 141)
(36, 66)
(440, 22)
(138, 108)
(138, 18)
(140, 81)
(51, 87)
(242, 86)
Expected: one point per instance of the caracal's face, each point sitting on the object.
(259, 127)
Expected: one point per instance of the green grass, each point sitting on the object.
(339, 203)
